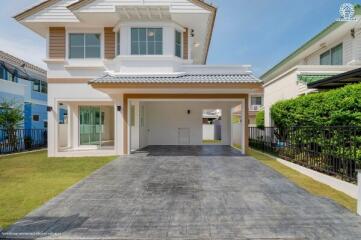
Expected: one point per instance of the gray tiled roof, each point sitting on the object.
(185, 78)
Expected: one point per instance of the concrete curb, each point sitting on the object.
(340, 185)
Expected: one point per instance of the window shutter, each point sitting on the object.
(57, 42)
(109, 43)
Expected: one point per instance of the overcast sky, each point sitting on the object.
(256, 32)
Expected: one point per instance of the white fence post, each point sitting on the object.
(359, 192)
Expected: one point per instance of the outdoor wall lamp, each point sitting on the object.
(192, 33)
(119, 108)
(189, 112)
(49, 108)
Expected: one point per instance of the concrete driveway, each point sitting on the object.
(169, 192)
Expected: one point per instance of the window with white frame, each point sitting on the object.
(256, 102)
(332, 56)
(84, 45)
(178, 44)
(146, 41)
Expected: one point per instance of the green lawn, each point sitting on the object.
(29, 180)
(212, 141)
(305, 182)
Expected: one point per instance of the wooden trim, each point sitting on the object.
(178, 85)
(68, 80)
(109, 43)
(57, 40)
(35, 9)
(185, 43)
(127, 97)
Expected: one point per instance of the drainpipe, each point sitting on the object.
(359, 192)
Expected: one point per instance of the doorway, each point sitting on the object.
(212, 126)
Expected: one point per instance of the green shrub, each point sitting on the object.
(339, 107)
(260, 119)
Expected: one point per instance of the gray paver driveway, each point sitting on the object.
(189, 193)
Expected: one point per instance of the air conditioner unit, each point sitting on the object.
(255, 107)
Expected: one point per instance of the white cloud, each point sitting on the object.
(25, 50)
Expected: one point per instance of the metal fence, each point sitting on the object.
(19, 140)
(335, 151)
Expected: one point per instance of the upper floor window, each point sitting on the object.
(40, 86)
(332, 56)
(146, 41)
(6, 75)
(256, 101)
(178, 44)
(84, 45)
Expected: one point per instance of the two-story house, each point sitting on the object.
(25, 85)
(132, 74)
(335, 50)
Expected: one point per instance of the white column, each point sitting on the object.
(75, 125)
(359, 192)
(69, 123)
(118, 137)
(244, 124)
(52, 130)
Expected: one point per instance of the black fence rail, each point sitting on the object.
(335, 151)
(19, 140)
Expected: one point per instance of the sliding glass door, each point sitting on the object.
(90, 125)
(96, 124)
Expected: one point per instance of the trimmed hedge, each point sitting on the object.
(339, 107)
(260, 119)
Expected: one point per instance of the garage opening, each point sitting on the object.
(212, 126)
(181, 122)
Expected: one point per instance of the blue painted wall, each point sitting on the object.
(33, 102)
(11, 97)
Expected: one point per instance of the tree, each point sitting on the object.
(11, 116)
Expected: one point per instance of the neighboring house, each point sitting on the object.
(335, 50)
(26, 86)
(337, 81)
(133, 74)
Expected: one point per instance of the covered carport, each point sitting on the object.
(179, 109)
(176, 119)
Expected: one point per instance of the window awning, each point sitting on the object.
(337, 81)
(310, 78)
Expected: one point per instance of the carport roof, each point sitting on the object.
(184, 78)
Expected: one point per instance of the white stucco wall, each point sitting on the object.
(285, 87)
